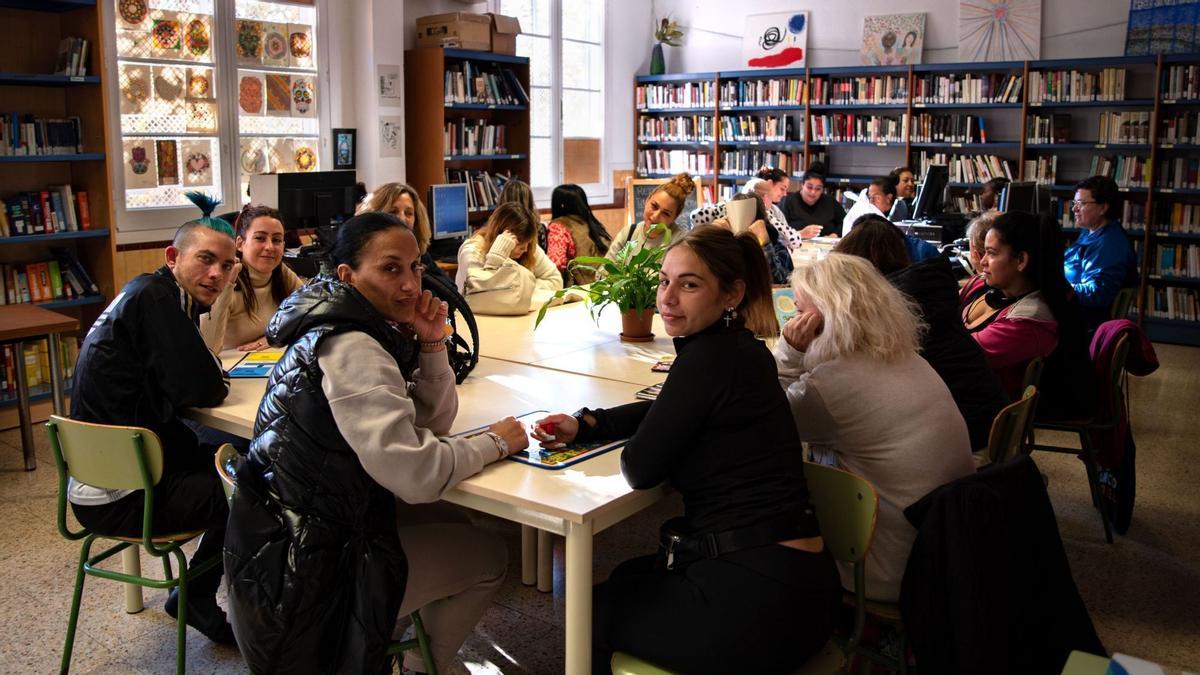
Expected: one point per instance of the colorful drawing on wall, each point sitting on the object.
(168, 161)
(300, 45)
(344, 148)
(305, 154)
(304, 93)
(166, 35)
(999, 30)
(196, 37)
(199, 83)
(132, 13)
(138, 160)
(135, 88)
(1162, 27)
(249, 41)
(892, 39)
(251, 93)
(197, 163)
(279, 94)
(275, 44)
(775, 40)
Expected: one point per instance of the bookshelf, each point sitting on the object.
(1140, 114)
(29, 36)
(430, 109)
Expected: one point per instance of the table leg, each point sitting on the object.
(131, 562)
(579, 598)
(24, 416)
(56, 375)
(545, 561)
(528, 555)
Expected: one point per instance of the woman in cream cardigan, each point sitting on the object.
(501, 269)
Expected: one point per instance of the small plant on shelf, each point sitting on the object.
(667, 32)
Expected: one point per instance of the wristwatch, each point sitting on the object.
(501, 444)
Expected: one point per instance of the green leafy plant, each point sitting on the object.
(668, 32)
(629, 282)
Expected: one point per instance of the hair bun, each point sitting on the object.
(818, 168)
(684, 182)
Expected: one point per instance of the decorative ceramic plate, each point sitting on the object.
(250, 94)
(275, 46)
(196, 37)
(166, 34)
(132, 11)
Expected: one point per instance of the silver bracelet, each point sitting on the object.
(501, 444)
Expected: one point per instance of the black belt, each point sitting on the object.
(681, 548)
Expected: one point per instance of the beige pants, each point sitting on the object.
(454, 569)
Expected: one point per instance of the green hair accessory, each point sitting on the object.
(207, 204)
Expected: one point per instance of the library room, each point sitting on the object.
(242, 243)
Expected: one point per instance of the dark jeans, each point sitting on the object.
(185, 500)
(759, 610)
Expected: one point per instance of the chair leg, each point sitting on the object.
(73, 620)
(1093, 475)
(423, 643)
(181, 618)
(167, 574)
(131, 563)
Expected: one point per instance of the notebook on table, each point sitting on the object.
(558, 458)
(256, 364)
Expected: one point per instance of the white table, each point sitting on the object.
(576, 502)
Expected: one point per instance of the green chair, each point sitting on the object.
(1011, 427)
(1122, 303)
(119, 458)
(847, 507)
(227, 469)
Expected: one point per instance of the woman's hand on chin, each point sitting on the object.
(429, 318)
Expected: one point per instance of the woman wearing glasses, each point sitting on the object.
(810, 210)
(1101, 262)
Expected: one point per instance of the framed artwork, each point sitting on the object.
(279, 94)
(1162, 27)
(300, 45)
(892, 39)
(775, 40)
(304, 93)
(345, 148)
(275, 45)
(389, 84)
(168, 162)
(197, 162)
(252, 93)
(139, 163)
(999, 30)
(391, 136)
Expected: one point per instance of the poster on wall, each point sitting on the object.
(389, 84)
(892, 39)
(999, 30)
(300, 45)
(391, 136)
(279, 94)
(1162, 27)
(344, 148)
(775, 40)
(135, 88)
(168, 162)
(304, 92)
(252, 92)
(138, 159)
(197, 163)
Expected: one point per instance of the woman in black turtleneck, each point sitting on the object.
(722, 434)
(812, 210)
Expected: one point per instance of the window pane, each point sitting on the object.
(540, 112)
(538, 51)
(583, 20)
(582, 65)
(534, 15)
(541, 163)
(583, 114)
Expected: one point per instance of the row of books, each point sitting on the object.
(1129, 171)
(679, 128)
(858, 128)
(1180, 127)
(72, 57)
(678, 95)
(470, 83)
(1043, 169)
(760, 128)
(957, 128)
(863, 89)
(1055, 128)
(1124, 127)
(61, 278)
(1180, 173)
(965, 168)
(27, 134)
(748, 162)
(37, 365)
(1178, 260)
(1133, 217)
(484, 187)
(967, 202)
(774, 92)
(720, 193)
(1071, 86)
(1174, 303)
(58, 208)
(1182, 83)
(967, 88)
(474, 137)
(674, 161)
(1181, 218)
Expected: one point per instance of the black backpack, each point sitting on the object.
(463, 345)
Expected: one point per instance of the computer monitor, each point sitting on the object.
(1019, 196)
(307, 200)
(930, 195)
(448, 211)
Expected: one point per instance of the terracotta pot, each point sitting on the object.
(635, 325)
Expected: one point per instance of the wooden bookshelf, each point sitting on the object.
(426, 113)
(29, 37)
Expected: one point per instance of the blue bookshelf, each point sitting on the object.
(491, 57)
(476, 158)
(57, 236)
(483, 106)
(672, 111)
(57, 6)
(1127, 103)
(39, 80)
(998, 145)
(966, 106)
(82, 157)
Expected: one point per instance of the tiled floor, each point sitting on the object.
(1143, 591)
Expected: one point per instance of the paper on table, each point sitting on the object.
(740, 214)
(861, 207)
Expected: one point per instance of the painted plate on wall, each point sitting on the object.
(250, 94)
(196, 37)
(133, 12)
(166, 34)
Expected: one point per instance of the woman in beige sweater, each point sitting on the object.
(238, 318)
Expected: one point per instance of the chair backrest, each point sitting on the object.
(847, 506)
(1011, 427)
(1111, 381)
(1033, 372)
(105, 456)
(226, 469)
(1122, 303)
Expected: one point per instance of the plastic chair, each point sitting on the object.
(1111, 393)
(1011, 427)
(119, 458)
(1122, 303)
(226, 469)
(847, 507)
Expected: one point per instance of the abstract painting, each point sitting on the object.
(775, 40)
(999, 30)
(892, 39)
(1162, 27)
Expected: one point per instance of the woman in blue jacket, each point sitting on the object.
(1101, 262)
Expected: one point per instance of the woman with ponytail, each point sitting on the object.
(239, 316)
(747, 564)
(662, 207)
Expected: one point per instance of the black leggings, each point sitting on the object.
(760, 610)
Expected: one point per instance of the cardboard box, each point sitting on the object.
(455, 29)
(504, 33)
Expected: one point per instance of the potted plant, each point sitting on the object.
(665, 32)
(630, 282)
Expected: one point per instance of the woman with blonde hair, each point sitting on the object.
(519, 191)
(861, 393)
(402, 201)
(501, 269)
(662, 207)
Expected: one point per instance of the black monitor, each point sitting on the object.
(307, 201)
(1019, 196)
(448, 211)
(931, 193)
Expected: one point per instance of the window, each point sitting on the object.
(564, 40)
(201, 76)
